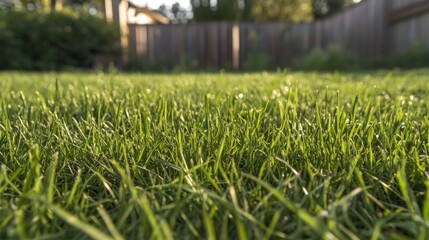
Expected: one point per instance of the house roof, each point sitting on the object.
(154, 15)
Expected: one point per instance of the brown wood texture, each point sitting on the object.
(409, 11)
(366, 30)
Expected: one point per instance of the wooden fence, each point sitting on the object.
(409, 24)
(207, 44)
(372, 29)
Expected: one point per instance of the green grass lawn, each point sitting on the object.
(205, 156)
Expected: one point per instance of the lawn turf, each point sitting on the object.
(205, 156)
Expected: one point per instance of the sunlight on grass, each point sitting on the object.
(206, 156)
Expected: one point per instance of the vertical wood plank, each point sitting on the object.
(363, 30)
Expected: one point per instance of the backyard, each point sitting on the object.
(221, 155)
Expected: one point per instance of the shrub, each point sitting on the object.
(186, 64)
(58, 40)
(257, 62)
(316, 60)
(334, 58)
(417, 56)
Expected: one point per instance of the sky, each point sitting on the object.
(154, 4)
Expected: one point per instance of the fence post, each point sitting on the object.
(116, 11)
(236, 46)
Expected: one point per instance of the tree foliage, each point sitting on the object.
(32, 40)
(7, 4)
(205, 10)
(51, 5)
(176, 13)
(324, 8)
(281, 10)
(252, 10)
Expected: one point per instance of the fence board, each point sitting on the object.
(364, 30)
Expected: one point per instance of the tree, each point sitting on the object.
(252, 10)
(53, 5)
(163, 10)
(324, 8)
(177, 14)
(206, 10)
(281, 10)
(6, 4)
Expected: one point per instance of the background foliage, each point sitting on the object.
(252, 10)
(336, 58)
(324, 8)
(266, 10)
(49, 41)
